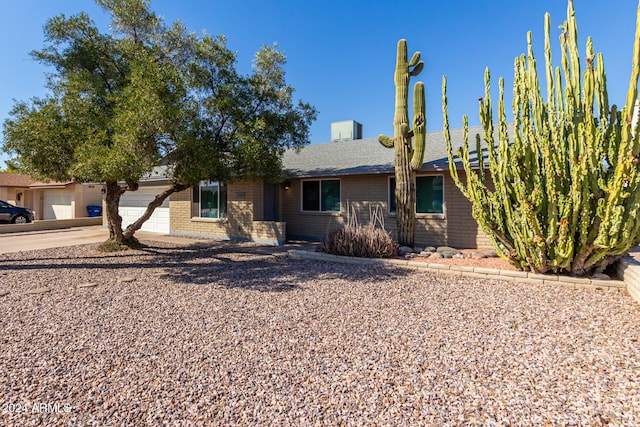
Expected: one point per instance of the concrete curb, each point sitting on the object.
(628, 270)
(43, 226)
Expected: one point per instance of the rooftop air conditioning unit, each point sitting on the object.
(346, 130)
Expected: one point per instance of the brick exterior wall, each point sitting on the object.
(245, 202)
(456, 227)
(245, 206)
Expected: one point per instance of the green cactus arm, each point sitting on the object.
(474, 189)
(419, 126)
(625, 178)
(632, 93)
(414, 59)
(481, 164)
(601, 91)
(551, 101)
(417, 69)
(447, 137)
(572, 32)
(385, 140)
(486, 119)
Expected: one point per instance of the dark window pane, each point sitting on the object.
(392, 195)
(222, 202)
(310, 195)
(429, 194)
(331, 195)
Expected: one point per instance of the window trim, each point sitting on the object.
(418, 214)
(320, 211)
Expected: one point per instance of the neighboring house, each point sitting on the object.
(323, 181)
(49, 200)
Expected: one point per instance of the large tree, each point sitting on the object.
(149, 94)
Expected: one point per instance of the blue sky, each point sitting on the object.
(341, 53)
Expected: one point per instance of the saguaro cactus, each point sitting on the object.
(408, 155)
(565, 194)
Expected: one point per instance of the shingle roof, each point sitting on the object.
(356, 157)
(20, 180)
(14, 180)
(50, 184)
(367, 156)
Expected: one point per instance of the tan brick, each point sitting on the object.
(511, 273)
(483, 270)
(577, 280)
(463, 268)
(547, 277)
(437, 266)
(399, 262)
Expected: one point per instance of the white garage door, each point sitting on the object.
(134, 203)
(56, 204)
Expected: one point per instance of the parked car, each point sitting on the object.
(14, 214)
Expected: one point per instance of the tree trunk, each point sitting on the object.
(157, 201)
(405, 193)
(112, 202)
(114, 220)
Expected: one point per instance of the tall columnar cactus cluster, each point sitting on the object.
(408, 143)
(564, 190)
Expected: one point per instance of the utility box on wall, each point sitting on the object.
(346, 130)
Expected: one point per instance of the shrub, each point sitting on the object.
(366, 241)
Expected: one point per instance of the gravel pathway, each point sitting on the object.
(225, 335)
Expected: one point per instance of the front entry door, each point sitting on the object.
(270, 202)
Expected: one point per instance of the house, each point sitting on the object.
(326, 179)
(49, 200)
(324, 182)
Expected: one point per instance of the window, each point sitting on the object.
(211, 200)
(429, 194)
(321, 195)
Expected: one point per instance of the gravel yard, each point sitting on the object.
(229, 334)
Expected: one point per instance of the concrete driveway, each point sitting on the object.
(27, 241)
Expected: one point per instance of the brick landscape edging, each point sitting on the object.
(628, 270)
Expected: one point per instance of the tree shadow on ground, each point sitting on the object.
(261, 268)
(222, 264)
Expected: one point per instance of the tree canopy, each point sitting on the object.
(148, 94)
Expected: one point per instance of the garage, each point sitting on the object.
(134, 203)
(57, 204)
